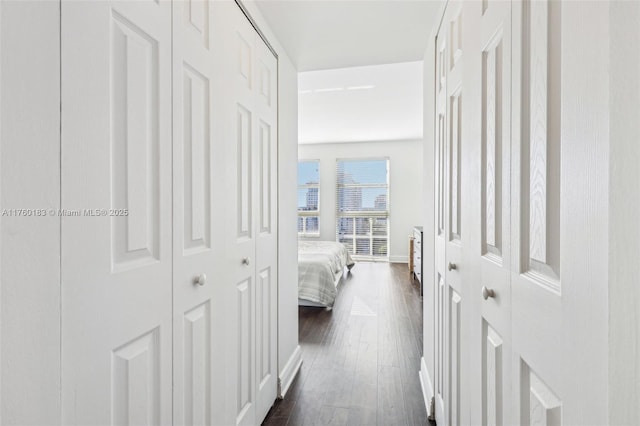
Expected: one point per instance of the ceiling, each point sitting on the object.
(328, 34)
(359, 104)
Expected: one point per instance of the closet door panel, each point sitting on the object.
(455, 304)
(536, 277)
(251, 129)
(198, 267)
(450, 305)
(116, 250)
(30, 299)
(245, 392)
(244, 153)
(491, 289)
(236, 41)
(265, 202)
(196, 162)
(245, 287)
(440, 227)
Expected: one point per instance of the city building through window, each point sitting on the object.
(309, 198)
(362, 216)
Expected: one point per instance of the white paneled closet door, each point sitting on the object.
(450, 311)
(265, 196)
(473, 66)
(543, 337)
(456, 340)
(531, 190)
(491, 324)
(198, 217)
(440, 225)
(116, 267)
(250, 119)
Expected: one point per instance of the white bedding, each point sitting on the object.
(318, 264)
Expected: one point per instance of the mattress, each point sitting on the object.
(320, 266)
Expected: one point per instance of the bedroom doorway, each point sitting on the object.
(359, 194)
(359, 187)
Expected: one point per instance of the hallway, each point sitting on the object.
(360, 360)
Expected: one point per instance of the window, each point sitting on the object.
(309, 198)
(362, 214)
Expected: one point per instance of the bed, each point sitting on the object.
(320, 267)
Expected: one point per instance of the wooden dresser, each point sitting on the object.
(417, 255)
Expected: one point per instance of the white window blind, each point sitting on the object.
(363, 207)
(309, 198)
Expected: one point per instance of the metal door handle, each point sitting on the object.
(200, 280)
(246, 261)
(452, 266)
(487, 293)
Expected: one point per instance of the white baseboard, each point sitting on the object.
(398, 259)
(427, 387)
(289, 372)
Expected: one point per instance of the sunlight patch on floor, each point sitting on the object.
(360, 308)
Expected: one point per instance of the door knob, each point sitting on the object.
(246, 261)
(200, 280)
(487, 293)
(452, 266)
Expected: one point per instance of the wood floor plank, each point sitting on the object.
(391, 407)
(360, 359)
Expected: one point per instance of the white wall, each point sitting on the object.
(289, 358)
(405, 186)
(427, 363)
(289, 355)
(30, 246)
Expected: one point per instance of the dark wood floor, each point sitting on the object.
(361, 359)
